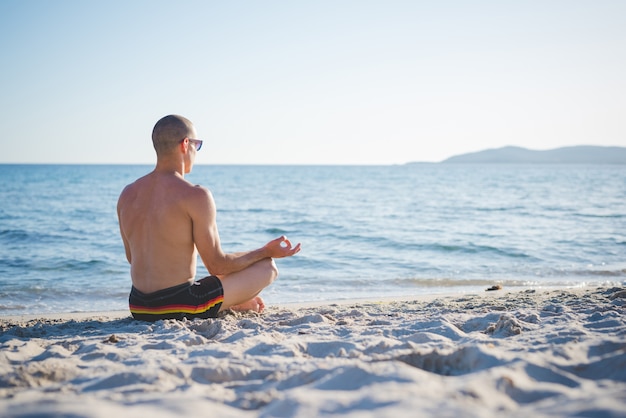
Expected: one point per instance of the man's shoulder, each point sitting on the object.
(129, 189)
(197, 191)
(133, 188)
(198, 200)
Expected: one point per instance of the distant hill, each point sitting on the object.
(568, 155)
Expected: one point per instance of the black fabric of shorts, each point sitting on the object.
(200, 299)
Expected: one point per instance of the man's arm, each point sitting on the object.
(124, 240)
(206, 238)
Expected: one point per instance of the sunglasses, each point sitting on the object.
(196, 143)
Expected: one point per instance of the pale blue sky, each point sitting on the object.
(309, 82)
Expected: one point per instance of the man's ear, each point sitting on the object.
(184, 144)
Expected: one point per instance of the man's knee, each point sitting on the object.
(271, 269)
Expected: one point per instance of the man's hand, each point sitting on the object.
(281, 247)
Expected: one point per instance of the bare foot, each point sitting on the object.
(255, 304)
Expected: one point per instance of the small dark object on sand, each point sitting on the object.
(494, 287)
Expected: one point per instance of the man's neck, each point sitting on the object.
(165, 166)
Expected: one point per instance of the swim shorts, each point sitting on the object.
(200, 299)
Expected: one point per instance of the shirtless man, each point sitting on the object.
(165, 221)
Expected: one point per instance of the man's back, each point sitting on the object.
(155, 223)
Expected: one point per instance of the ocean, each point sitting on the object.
(366, 231)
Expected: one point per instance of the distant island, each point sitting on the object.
(585, 154)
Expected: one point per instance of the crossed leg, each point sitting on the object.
(241, 289)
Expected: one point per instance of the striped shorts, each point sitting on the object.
(200, 299)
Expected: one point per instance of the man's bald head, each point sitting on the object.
(169, 131)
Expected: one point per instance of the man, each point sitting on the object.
(165, 221)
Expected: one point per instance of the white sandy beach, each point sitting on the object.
(493, 354)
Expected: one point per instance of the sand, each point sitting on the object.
(491, 354)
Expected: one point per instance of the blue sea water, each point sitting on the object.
(366, 231)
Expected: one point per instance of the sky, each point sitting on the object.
(309, 82)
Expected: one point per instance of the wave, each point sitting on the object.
(15, 262)
(471, 248)
(600, 216)
(9, 308)
(277, 231)
(14, 235)
(54, 264)
(70, 265)
(441, 248)
(592, 272)
(449, 283)
(65, 236)
(500, 209)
